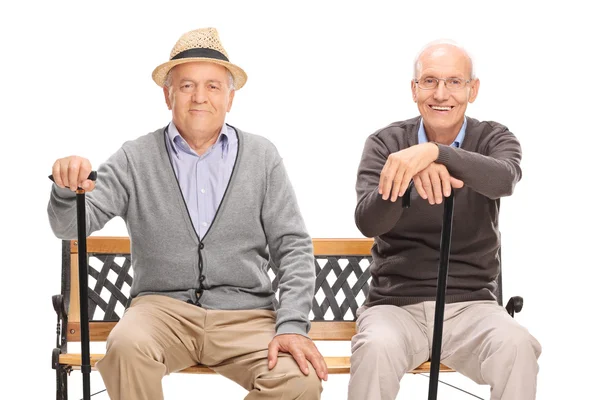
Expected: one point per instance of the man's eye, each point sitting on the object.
(213, 87)
(187, 88)
(429, 80)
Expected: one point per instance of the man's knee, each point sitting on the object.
(130, 346)
(288, 380)
(305, 386)
(517, 342)
(378, 342)
(523, 342)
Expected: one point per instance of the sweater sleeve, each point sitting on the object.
(373, 215)
(493, 174)
(290, 248)
(107, 200)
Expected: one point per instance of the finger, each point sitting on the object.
(382, 176)
(272, 353)
(406, 178)
(324, 374)
(56, 174)
(317, 361)
(427, 187)
(300, 360)
(88, 185)
(419, 186)
(64, 171)
(456, 183)
(85, 169)
(446, 186)
(396, 188)
(388, 179)
(436, 186)
(73, 172)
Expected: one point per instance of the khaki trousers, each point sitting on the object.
(480, 340)
(159, 335)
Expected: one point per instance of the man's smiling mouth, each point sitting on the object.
(441, 108)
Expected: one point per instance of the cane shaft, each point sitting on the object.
(83, 293)
(440, 299)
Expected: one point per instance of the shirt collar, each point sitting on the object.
(178, 143)
(457, 142)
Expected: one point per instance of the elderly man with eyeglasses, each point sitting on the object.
(439, 150)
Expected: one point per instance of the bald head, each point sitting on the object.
(444, 52)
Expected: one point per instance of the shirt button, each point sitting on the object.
(204, 224)
(202, 191)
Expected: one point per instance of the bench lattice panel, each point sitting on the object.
(331, 291)
(111, 278)
(100, 267)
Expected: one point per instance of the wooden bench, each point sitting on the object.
(342, 280)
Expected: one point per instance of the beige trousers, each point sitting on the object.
(159, 335)
(480, 340)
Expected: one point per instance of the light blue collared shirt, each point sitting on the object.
(457, 142)
(203, 179)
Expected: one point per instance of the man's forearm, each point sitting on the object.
(493, 177)
(375, 216)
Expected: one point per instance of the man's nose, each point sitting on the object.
(441, 91)
(199, 95)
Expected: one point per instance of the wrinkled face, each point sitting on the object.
(443, 110)
(199, 98)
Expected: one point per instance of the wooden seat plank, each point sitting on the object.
(335, 365)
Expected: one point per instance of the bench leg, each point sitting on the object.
(61, 383)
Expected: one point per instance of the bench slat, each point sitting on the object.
(329, 330)
(335, 365)
(340, 247)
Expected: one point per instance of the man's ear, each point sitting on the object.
(167, 97)
(474, 90)
(231, 96)
(413, 87)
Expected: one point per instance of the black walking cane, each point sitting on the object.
(84, 322)
(440, 298)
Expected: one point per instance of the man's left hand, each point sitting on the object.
(401, 166)
(434, 182)
(302, 349)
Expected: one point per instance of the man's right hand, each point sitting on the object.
(72, 172)
(434, 182)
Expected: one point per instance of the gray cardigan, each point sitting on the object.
(258, 219)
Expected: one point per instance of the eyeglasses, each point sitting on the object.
(430, 82)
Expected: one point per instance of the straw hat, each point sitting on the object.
(199, 45)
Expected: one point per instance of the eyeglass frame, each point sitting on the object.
(437, 83)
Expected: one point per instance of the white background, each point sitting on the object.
(322, 77)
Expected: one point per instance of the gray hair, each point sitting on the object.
(417, 64)
(169, 79)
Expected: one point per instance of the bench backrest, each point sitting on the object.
(341, 287)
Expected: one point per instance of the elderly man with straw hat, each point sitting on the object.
(207, 207)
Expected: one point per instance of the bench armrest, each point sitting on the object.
(514, 305)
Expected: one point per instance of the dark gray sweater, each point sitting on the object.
(407, 241)
(258, 219)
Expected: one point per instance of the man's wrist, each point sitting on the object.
(435, 151)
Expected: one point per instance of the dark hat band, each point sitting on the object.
(201, 52)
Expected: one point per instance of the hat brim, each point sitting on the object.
(160, 73)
